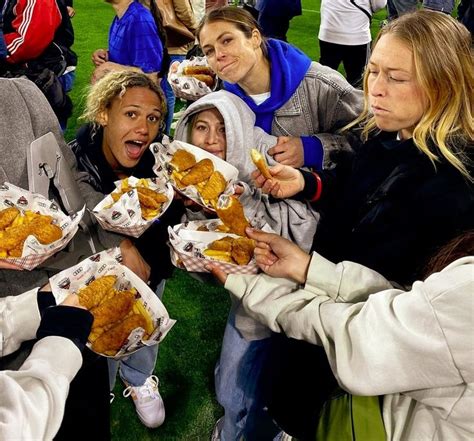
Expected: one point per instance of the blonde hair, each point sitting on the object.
(443, 60)
(114, 85)
(239, 17)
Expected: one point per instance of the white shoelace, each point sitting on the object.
(149, 389)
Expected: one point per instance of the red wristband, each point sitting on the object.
(319, 188)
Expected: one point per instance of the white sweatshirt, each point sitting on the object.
(343, 23)
(32, 399)
(415, 347)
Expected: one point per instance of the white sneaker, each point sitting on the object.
(148, 402)
(216, 432)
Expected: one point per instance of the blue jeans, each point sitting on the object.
(141, 364)
(169, 95)
(238, 387)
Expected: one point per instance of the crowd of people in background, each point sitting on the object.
(360, 323)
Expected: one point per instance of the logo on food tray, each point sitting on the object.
(8, 203)
(95, 258)
(116, 215)
(131, 213)
(54, 207)
(4, 187)
(90, 280)
(64, 283)
(22, 201)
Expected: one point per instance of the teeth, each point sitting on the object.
(139, 143)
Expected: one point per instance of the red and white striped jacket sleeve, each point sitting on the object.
(34, 26)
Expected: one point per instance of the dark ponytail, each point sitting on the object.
(155, 12)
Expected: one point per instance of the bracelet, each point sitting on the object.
(319, 188)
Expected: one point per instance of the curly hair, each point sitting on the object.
(100, 95)
(443, 61)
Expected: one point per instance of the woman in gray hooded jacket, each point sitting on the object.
(293, 219)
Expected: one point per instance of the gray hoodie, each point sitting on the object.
(292, 219)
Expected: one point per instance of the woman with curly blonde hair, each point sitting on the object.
(124, 112)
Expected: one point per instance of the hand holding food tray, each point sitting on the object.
(191, 79)
(32, 228)
(127, 313)
(196, 244)
(134, 205)
(194, 172)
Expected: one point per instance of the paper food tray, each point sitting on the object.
(188, 87)
(106, 263)
(124, 216)
(35, 253)
(187, 245)
(163, 154)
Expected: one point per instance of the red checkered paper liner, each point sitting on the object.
(187, 245)
(125, 216)
(163, 154)
(185, 86)
(105, 263)
(35, 253)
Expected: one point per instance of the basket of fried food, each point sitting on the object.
(194, 172)
(193, 248)
(32, 228)
(134, 205)
(191, 79)
(127, 314)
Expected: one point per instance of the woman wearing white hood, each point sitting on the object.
(222, 124)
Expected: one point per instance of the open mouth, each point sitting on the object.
(134, 148)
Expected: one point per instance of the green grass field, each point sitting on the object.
(187, 356)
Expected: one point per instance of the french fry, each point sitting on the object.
(139, 308)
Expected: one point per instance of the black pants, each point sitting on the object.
(298, 381)
(87, 412)
(354, 59)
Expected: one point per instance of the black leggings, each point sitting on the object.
(354, 59)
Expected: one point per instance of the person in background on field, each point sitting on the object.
(274, 16)
(178, 48)
(134, 43)
(344, 35)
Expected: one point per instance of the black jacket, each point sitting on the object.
(152, 244)
(393, 209)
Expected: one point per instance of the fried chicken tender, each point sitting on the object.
(14, 237)
(94, 293)
(150, 198)
(259, 160)
(46, 233)
(111, 341)
(214, 186)
(7, 216)
(182, 160)
(113, 309)
(224, 244)
(233, 216)
(199, 172)
(242, 250)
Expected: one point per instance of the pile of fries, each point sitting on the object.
(209, 183)
(151, 201)
(231, 250)
(116, 314)
(16, 226)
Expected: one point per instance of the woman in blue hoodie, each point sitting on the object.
(300, 101)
